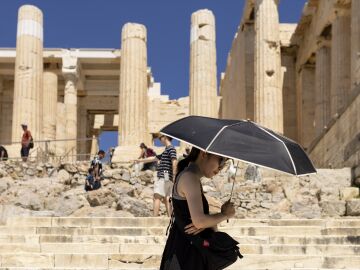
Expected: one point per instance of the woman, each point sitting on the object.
(145, 153)
(191, 211)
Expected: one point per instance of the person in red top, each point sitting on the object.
(25, 142)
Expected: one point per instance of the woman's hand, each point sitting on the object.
(228, 209)
(191, 229)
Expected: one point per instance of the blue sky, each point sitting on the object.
(97, 24)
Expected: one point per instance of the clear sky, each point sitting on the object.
(97, 24)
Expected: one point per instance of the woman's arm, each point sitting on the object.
(141, 154)
(189, 186)
(147, 160)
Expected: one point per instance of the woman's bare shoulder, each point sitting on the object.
(187, 181)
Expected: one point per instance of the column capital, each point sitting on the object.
(70, 65)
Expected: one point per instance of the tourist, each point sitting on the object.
(145, 153)
(191, 212)
(111, 153)
(166, 171)
(26, 143)
(3, 153)
(90, 183)
(96, 165)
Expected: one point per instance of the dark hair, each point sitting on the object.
(169, 138)
(101, 152)
(90, 170)
(143, 145)
(194, 153)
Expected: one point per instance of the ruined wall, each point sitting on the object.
(340, 146)
(163, 112)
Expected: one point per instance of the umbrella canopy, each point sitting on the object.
(242, 140)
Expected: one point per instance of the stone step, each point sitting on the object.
(141, 231)
(156, 222)
(157, 249)
(151, 268)
(126, 261)
(291, 240)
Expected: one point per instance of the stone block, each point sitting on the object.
(80, 248)
(88, 261)
(333, 208)
(353, 208)
(26, 260)
(349, 193)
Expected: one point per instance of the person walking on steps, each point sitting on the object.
(191, 212)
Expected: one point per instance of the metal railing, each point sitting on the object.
(53, 150)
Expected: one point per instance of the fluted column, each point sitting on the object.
(322, 86)
(49, 105)
(60, 145)
(268, 108)
(249, 30)
(28, 87)
(355, 43)
(305, 95)
(133, 86)
(94, 145)
(1, 105)
(70, 73)
(340, 62)
(203, 81)
(70, 100)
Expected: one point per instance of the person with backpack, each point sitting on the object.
(145, 153)
(90, 183)
(26, 143)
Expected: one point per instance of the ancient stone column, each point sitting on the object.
(305, 95)
(94, 145)
(268, 107)
(60, 145)
(50, 95)
(289, 94)
(322, 87)
(70, 73)
(203, 81)
(340, 62)
(133, 86)
(82, 132)
(355, 43)
(249, 68)
(1, 105)
(28, 73)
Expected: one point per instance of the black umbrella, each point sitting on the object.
(242, 140)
